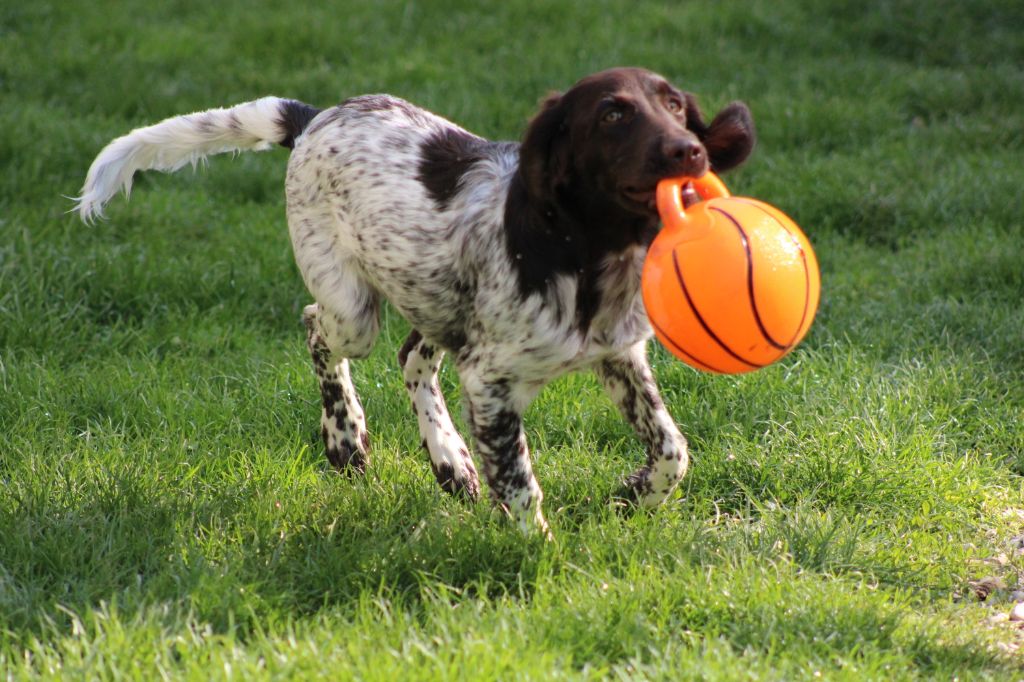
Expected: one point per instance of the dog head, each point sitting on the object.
(615, 134)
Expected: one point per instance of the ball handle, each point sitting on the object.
(670, 200)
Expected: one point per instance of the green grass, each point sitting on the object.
(165, 509)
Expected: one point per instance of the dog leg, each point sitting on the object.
(629, 382)
(342, 423)
(449, 456)
(495, 410)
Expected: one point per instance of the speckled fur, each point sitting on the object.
(363, 227)
(520, 269)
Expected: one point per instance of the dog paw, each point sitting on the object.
(462, 485)
(637, 492)
(347, 459)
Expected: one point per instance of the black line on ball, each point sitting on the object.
(750, 278)
(700, 318)
(803, 258)
(707, 365)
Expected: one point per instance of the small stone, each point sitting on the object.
(998, 618)
(1008, 647)
(1017, 613)
(1000, 559)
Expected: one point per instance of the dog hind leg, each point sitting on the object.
(342, 422)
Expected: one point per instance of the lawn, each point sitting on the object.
(165, 507)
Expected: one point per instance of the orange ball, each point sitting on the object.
(730, 284)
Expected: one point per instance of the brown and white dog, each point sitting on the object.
(521, 261)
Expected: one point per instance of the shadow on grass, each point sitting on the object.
(231, 563)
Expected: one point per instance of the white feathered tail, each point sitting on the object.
(180, 140)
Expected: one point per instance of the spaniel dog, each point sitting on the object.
(520, 261)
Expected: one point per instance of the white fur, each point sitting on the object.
(175, 142)
(365, 227)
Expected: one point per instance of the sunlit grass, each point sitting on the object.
(165, 509)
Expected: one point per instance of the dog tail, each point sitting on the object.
(180, 140)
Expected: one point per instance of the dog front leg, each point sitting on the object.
(495, 408)
(630, 383)
(449, 456)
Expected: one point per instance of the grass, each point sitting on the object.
(165, 510)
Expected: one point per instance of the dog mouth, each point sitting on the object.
(645, 198)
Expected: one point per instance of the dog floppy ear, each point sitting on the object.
(544, 154)
(729, 138)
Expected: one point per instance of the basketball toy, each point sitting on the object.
(730, 284)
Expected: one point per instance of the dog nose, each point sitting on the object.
(686, 156)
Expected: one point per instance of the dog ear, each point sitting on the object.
(544, 154)
(729, 138)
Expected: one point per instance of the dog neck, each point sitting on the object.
(573, 234)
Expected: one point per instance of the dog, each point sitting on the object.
(520, 261)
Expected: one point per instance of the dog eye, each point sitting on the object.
(612, 116)
(674, 105)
